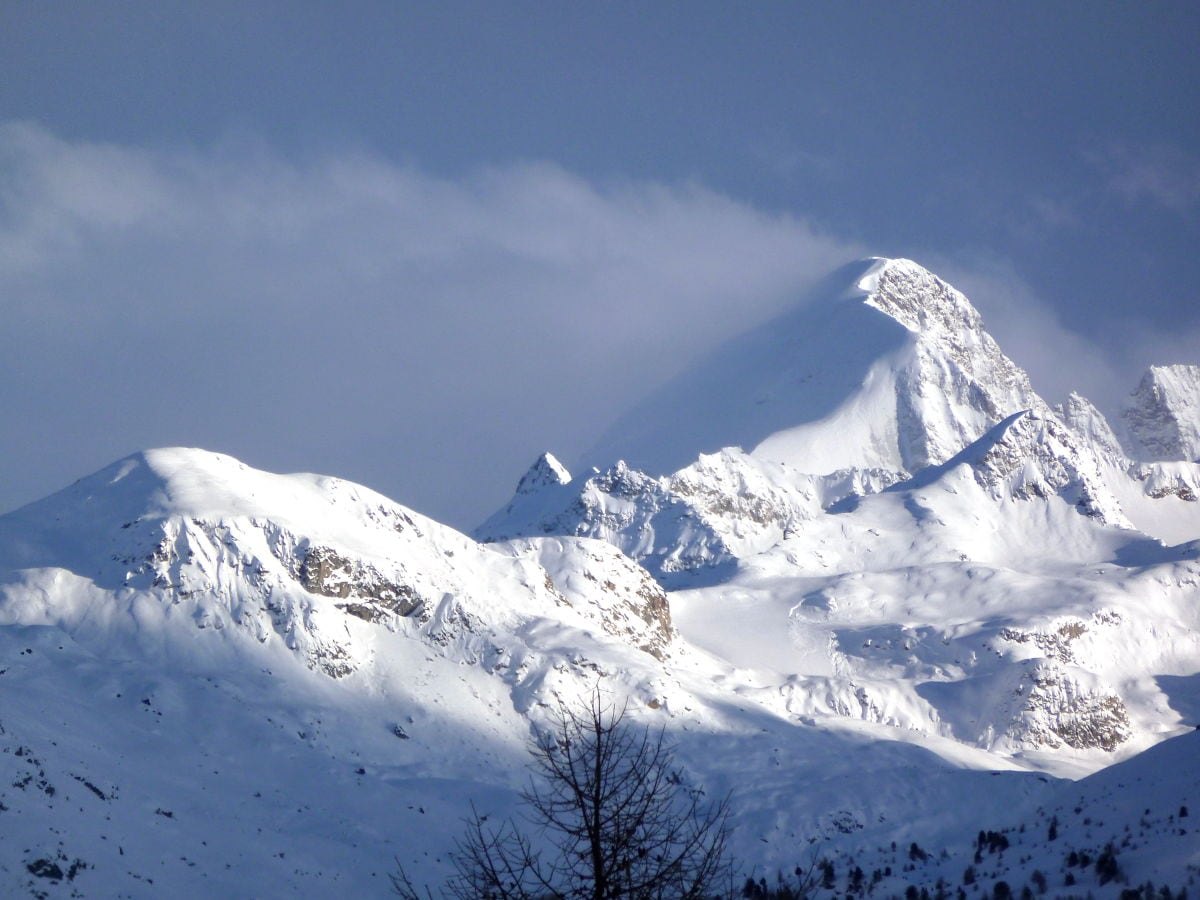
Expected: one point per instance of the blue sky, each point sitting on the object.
(414, 245)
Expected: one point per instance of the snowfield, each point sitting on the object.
(913, 619)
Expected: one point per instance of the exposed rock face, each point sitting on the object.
(1151, 483)
(326, 573)
(605, 586)
(1163, 414)
(646, 519)
(748, 502)
(1054, 644)
(239, 574)
(1059, 710)
(1161, 480)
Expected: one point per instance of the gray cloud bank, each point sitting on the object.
(422, 334)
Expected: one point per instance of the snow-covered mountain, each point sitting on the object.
(864, 576)
(885, 381)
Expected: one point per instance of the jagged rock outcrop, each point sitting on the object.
(1057, 642)
(324, 572)
(1161, 480)
(1060, 709)
(1163, 415)
(641, 515)
(723, 507)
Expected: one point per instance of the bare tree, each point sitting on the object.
(621, 821)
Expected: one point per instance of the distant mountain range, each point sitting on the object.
(867, 579)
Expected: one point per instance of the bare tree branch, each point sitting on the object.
(620, 819)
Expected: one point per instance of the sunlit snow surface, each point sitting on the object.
(914, 603)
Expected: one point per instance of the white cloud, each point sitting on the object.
(427, 335)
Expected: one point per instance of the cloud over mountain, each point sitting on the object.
(233, 297)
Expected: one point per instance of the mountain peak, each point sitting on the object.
(1163, 414)
(545, 471)
(874, 353)
(186, 481)
(918, 299)
(919, 396)
(134, 499)
(538, 494)
(1081, 416)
